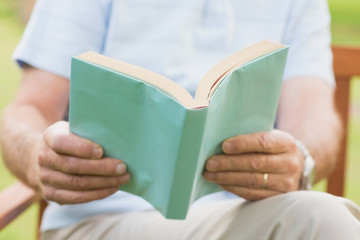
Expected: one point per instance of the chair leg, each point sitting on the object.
(336, 181)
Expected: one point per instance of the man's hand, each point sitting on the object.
(73, 170)
(258, 165)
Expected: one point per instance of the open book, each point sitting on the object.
(164, 135)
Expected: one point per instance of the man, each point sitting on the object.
(170, 37)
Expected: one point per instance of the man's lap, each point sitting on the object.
(286, 216)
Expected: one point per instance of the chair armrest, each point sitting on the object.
(346, 61)
(14, 200)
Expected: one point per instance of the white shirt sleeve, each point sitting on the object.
(59, 30)
(308, 34)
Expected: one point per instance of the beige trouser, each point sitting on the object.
(297, 215)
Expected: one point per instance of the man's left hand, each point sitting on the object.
(257, 165)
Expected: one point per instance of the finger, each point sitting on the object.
(60, 140)
(253, 162)
(275, 182)
(249, 194)
(80, 182)
(63, 196)
(247, 180)
(274, 141)
(74, 165)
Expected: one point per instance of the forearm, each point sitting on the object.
(306, 111)
(21, 131)
(41, 100)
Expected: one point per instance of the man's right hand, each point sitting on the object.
(73, 170)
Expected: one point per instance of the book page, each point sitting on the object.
(216, 74)
(164, 84)
(207, 85)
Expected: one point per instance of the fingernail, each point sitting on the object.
(212, 165)
(120, 169)
(228, 146)
(97, 152)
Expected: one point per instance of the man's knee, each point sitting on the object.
(297, 215)
(314, 214)
(316, 203)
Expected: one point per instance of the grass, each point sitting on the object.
(346, 31)
(353, 168)
(23, 227)
(345, 21)
(10, 31)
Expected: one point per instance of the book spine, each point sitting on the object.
(183, 182)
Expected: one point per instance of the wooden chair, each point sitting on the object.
(346, 66)
(17, 197)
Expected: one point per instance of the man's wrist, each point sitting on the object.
(308, 175)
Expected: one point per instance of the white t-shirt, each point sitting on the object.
(179, 39)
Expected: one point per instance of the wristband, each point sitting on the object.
(308, 175)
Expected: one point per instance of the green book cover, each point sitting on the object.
(163, 142)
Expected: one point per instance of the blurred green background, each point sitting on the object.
(345, 29)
